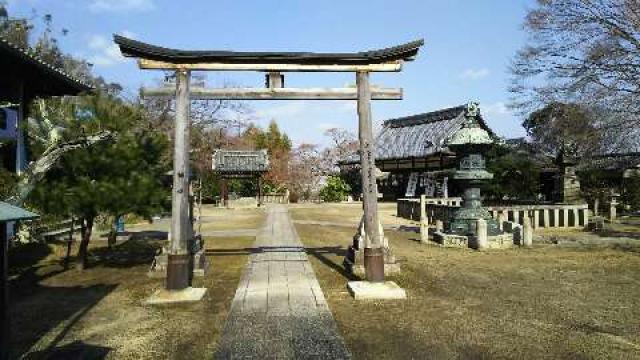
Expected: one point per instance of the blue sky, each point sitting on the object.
(469, 45)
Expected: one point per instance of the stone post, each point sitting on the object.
(612, 209)
(482, 240)
(424, 223)
(424, 230)
(527, 232)
(439, 225)
(545, 218)
(501, 220)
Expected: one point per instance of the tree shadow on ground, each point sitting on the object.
(76, 350)
(25, 256)
(406, 228)
(337, 252)
(139, 249)
(618, 233)
(47, 314)
(231, 252)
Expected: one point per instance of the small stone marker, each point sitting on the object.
(612, 209)
(369, 290)
(527, 232)
(482, 240)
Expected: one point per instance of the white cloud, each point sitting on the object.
(121, 5)
(104, 52)
(496, 109)
(474, 74)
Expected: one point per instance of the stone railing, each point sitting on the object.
(433, 208)
(277, 198)
(544, 216)
(408, 209)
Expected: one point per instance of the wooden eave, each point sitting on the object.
(40, 78)
(138, 49)
(161, 58)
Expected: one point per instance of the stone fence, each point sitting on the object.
(543, 216)
(414, 208)
(276, 198)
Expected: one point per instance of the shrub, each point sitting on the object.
(335, 190)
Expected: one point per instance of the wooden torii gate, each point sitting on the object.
(274, 64)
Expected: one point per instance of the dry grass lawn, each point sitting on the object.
(344, 213)
(67, 314)
(546, 302)
(231, 219)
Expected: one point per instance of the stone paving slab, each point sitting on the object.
(279, 310)
(230, 233)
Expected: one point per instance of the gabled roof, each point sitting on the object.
(138, 49)
(239, 162)
(9, 212)
(40, 77)
(421, 135)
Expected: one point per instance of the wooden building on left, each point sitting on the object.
(24, 77)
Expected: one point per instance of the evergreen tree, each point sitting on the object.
(112, 178)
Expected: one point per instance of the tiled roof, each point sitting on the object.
(418, 136)
(9, 212)
(8, 49)
(133, 48)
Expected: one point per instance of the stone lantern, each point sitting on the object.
(469, 144)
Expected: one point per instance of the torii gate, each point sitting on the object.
(274, 64)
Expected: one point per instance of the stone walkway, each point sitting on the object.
(279, 310)
(230, 233)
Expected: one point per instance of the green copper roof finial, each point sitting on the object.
(471, 132)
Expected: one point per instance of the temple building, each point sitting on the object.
(24, 78)
(413, 151)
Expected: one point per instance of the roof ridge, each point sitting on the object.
(427, 117)
(135, 48)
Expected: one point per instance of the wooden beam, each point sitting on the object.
(393, 66)
(276, 93)
(178, 268)
(373, 252)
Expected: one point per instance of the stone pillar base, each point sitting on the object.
(198, 260)
(354, 260)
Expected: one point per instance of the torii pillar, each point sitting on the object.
(178, 260)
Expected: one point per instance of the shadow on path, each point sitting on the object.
(321, 253)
